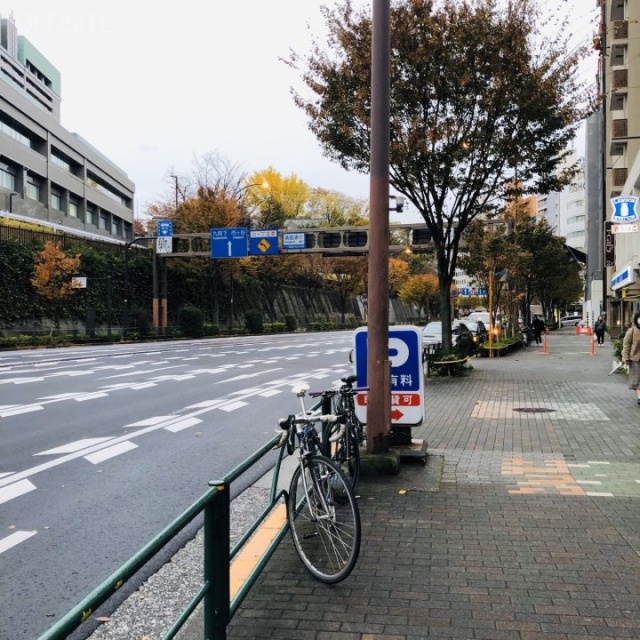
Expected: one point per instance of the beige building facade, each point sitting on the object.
(619, 44)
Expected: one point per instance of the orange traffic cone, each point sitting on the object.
(589, 332)
(593, 345)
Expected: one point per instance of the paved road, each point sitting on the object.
(103, 447)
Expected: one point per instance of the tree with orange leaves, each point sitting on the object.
(52, 277)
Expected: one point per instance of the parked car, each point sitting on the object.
(478, 329)
(461, 336)
(570, 321)
(432, 333)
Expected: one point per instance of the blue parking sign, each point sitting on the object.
(407, 377)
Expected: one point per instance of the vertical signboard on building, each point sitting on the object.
(609, 245)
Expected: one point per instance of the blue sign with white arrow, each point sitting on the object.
(165, 228)
(229, 243)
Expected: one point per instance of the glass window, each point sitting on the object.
(7, 180)
(33, 191)
(63, 164)
(103, 221)
(91, 216)
(55, 202)
(73, 209)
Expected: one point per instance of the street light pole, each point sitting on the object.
(378, 363)
(177, 190)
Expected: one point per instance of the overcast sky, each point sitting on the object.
(154, 88)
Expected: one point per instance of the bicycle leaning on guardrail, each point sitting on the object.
(322, 510)
(341, 440)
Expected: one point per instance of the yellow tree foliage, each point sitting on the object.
(420, 290)
(398, 275)
(53, 272)
(275, 198)
(333, 209)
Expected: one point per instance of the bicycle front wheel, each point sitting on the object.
(324, 519)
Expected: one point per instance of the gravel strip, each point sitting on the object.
(149, 612)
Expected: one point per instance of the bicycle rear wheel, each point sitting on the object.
(324, 519)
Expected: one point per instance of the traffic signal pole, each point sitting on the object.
(378, 364)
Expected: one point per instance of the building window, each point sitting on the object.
(33, 191)
(617, 101)
(117, 227)
(5, 127)
(92, 181)
(91, 216)
(55, 201)
(103, 221)
(73, 209)
(7, 179)
(618, 55)
(60, 162)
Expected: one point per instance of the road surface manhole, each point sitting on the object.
(533, 410)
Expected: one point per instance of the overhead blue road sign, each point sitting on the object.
(263, 242)
(229, 243)
(294, 240)
(165, 228)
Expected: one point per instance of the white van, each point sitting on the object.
(483, 316)
(570, 321)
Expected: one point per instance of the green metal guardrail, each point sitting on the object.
(215, 592)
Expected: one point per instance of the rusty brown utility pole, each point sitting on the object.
(378, 364)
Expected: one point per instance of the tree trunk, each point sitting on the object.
(444, 282)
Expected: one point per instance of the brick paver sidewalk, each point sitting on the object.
(524, 524)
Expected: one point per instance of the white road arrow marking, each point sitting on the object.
(72, 446)
(16, 490)
(185, 424)
(15, 539)
(110, 452)
(20, 380)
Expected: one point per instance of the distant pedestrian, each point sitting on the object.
(631, 353)
(599, 328)
(538, 328)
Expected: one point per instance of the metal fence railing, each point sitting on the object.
(219, 607)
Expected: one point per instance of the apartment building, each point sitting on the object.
(47, 173)
(619, 44)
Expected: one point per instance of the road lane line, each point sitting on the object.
(15, 539)
(16, 490)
